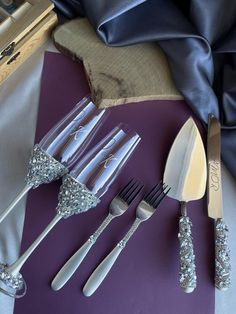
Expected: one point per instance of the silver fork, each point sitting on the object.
(145, 210)
(117, 207)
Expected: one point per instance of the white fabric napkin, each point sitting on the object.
(19, 98)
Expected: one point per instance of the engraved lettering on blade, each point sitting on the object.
(81, 129)
(108, 160)
(214, 176)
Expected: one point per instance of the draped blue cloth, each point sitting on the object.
(199, 39)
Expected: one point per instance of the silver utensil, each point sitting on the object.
(185, 172)
(117, 207)
(145, 210)
(215, 206)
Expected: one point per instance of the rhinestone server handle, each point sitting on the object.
(188, 278)
(67, 271)
(222, 256)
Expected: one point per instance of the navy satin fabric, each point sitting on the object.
(199, 39)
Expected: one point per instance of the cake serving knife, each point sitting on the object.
(186, 174)
(215, 208)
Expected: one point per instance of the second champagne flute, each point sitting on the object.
(81, 190)
(61, 147)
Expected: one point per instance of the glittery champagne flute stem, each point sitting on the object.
(188, 278)
(73, 198)
(23, 192)
(42, 168)
(16, 267)
(10, 274)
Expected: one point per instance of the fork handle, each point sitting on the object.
(129, 234)
(105, 266)
(66, 272)
(101, 272)
(188, 278)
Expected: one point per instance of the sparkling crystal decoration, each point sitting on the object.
(43, 168)
(188, 278)
(222, 256)
(74, 198)
(93, 238)
(15, 282)
(128, 235)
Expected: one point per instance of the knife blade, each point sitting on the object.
(214, 169)
(185, 172)
(215, 205)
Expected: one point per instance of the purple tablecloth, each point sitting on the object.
(145, 278)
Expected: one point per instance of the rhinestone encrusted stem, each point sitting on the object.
(222, 256)
(188, 278)
(43, 168)
(13, 281)
(74, 198)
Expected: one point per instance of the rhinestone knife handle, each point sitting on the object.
(105, 266)
(222, 256)
(74, 262)
(188, 278)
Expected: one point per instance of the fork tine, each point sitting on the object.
(134, 193)
(150, 194)
(131, 190)
(126, 188)
(158, 193)
(159, 200)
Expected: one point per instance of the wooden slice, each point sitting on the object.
(117, 75)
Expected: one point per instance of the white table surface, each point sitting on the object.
(19, 97)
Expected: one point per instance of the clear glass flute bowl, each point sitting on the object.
(61, 147)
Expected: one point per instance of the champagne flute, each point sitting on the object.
(81, 190)
(61, 147)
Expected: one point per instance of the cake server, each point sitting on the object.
(215, 208)
(185, 173)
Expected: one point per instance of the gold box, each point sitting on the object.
(24, 26)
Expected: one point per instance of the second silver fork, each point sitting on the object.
(117, 207)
